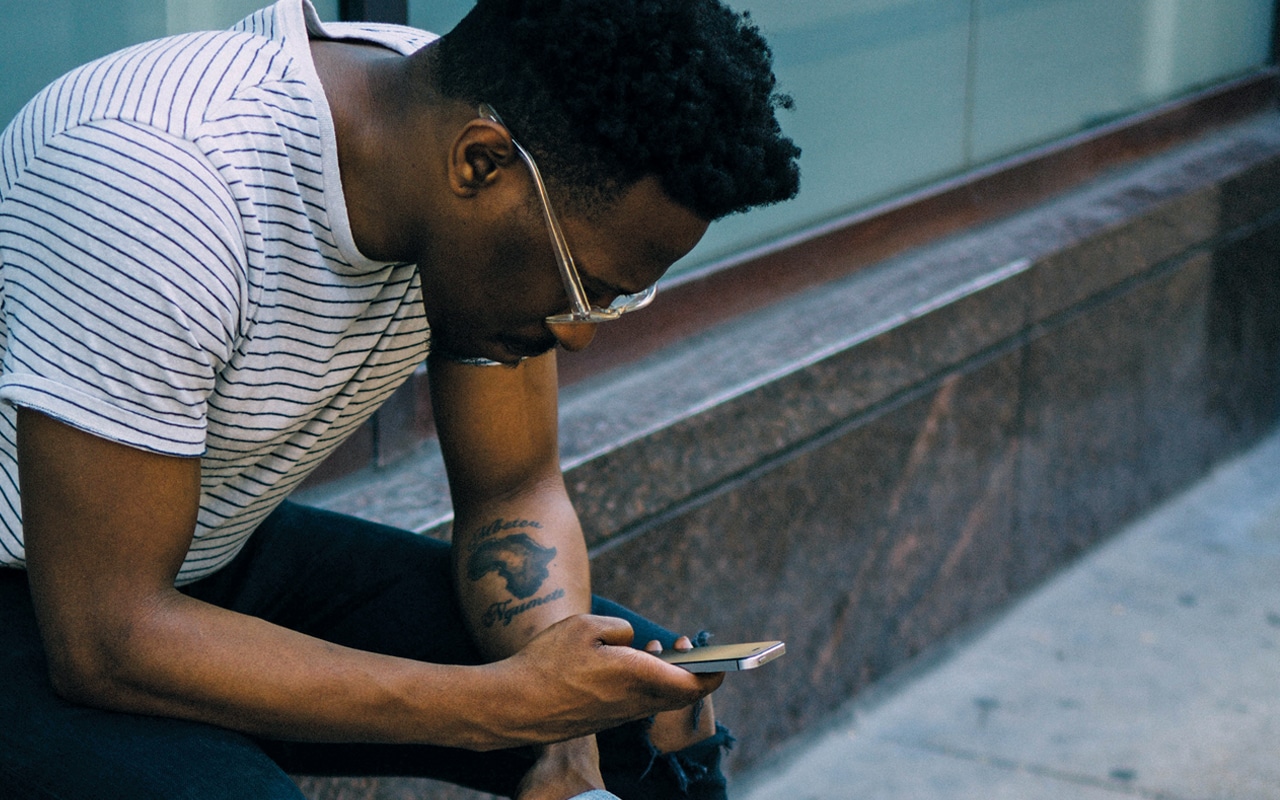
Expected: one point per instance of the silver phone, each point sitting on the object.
(725, 657)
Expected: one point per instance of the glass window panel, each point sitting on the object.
(437, 16)
(41, 40)
(1045, 68)
(1049, 68)
(1188, 44)
(202, 15)
(327, 9)
(879, 87)
(1034, 70)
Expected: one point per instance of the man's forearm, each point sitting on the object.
(183, 658)
(520, 567)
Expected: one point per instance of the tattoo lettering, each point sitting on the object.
(505, 612)
(500, 524)
(520, 561)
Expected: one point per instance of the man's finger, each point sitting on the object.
(612, 630)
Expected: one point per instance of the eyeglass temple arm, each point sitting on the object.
(564, 260)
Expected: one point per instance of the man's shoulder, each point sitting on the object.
(172, 85)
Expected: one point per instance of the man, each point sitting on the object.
(220, 252)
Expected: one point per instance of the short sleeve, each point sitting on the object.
(122, 267)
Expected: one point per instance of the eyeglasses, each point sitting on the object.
(581, 309)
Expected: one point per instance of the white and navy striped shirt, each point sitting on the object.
(178, 270)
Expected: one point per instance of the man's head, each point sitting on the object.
(646, 119)
(606, 92)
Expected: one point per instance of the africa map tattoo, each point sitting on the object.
(520, 560)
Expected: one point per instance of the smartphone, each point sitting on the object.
(725, 657)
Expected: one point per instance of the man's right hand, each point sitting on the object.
(581, 675)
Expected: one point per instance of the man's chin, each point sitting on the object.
(507, 352)
(519, 349)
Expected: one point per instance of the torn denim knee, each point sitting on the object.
(635, 769)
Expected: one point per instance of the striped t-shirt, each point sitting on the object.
(178, 272)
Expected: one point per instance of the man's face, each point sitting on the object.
(511, 282)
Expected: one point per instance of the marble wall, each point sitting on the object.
(872, 468)
(896, 491)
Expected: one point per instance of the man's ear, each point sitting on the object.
(479, 153)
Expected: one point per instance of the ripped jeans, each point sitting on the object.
(345, 580)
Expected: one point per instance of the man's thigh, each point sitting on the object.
(360, 584)
(347, 581)
(381, 589)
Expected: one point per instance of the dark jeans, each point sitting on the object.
(341, 579)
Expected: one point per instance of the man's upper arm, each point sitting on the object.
(106, 528)
(124, 283)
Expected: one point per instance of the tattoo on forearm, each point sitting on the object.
(503, 611)
(520, 561)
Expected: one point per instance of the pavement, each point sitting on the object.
(1149, 669)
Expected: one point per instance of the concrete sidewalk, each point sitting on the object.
(1149, 669)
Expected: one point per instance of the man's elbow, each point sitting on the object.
(83, 675)
(91, 668)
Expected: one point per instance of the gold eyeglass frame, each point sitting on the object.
(581, 311)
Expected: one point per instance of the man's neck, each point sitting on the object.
(377, 169)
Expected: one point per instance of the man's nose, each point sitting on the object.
(573, 336)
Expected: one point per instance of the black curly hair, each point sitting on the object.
(605, 92)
